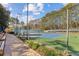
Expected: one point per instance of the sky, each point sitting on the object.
(35, 10)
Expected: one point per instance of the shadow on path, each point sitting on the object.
(16, 47)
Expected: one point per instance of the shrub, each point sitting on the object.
(30, 43)
(33, 45)
(46, 51)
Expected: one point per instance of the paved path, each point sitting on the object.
(15, 47)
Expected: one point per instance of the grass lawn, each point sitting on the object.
(60, 42)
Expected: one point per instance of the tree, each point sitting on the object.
(57, 19)
(4, 16)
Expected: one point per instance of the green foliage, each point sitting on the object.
(46, 51)
(43, 50)
(33, 45)
(13, 20)
(4, 16)
(57, 19)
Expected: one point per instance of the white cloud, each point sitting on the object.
(30, 18)
(40, 6)
(24, 18)
(10, 8)
(48, 5)
(5, 4)
(43, 11)
(36, 13)
(14, 15)
(65, 4)
(31, 7)
(36, 9)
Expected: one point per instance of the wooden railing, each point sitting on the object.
(2, 43)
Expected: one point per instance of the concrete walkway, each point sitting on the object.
(15, 47)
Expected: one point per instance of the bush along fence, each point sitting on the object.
(46, 51)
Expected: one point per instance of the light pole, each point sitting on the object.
(17, 18)
(66, 52)
(27, 22)
(67, 35)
